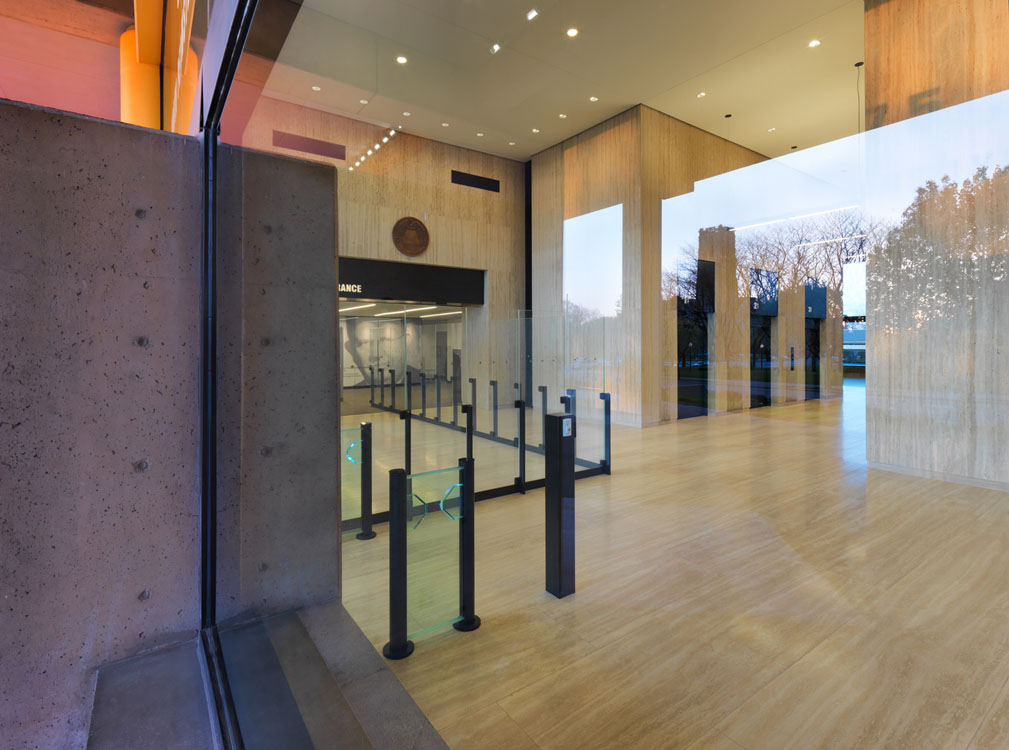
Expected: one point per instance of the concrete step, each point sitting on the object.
(160, 699)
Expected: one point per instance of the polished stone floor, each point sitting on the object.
(744, 581)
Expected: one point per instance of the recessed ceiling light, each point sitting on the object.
(400, 127)
(406, 114)
(495, 48)
(572, 32)
(702, 94)
(385, 139)
(593, 98)
(815, 43)
(511, 143)
(364, 101)
(771, 130)
(317, 88)
(532, 14)
(479, 135)
(378, 146)
(369, 152)
(727, 117)
(363, 157)
(351, 169)
(444, 124)
(536, 130)
(401, 60)
(794, 147)
(392, 133)
(562, 116)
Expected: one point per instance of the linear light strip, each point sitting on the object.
(406, 312)
(836, 239)
(441, 315)
(358, 307)
(793, 218)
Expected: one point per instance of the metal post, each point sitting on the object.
(398, 646)
(493, 408)
(381, 381)
(572, 401)
(437, 397)
(543, 434)
(406, 417)
(409, 391)
(392, 383)
(468, 410)
(607, 459)
(467, 556)
(455, 403)
(366, 530)
(520, 480)
(560, 505)
(423, 396)
(472, 398)
(371, 383)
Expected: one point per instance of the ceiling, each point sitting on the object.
(752, 60)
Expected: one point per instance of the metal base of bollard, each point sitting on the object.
(399, 652)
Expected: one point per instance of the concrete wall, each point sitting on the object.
(278, 421)
(99, 491)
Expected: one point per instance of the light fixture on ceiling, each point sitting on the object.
(511, 143)
(406, 114)
(536, 130)
(404, 312)
(401, 60)
(495, 48)
(702, 94)
(814, 43)
(392, 133)
(444, 124)
(479, 135)
(532, 14)
(793, 218)
(364, 101)
(351, 169)
(771, 130)
(385, 139)
(562, 116)
(441, 315)
(728, 116)
(317, 88)
(378, 146)
(369, 152)
(363, 157)
(357, 307)
(572, 32)
(794, 147)
(400, 127)
(357, 163)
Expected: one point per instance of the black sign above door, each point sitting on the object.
(361, 278)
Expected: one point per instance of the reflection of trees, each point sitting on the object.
(950, 241)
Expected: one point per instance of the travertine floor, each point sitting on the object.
(743, 581)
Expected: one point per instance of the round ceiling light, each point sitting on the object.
(536, 130)
(593, 98)
(401, 60)
(814, 43)
(317, 88)
(572, 32)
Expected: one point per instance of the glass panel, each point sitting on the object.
(433, 550)
(350, 479)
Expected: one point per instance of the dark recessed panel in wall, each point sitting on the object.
(361, 278)
(476, 181)
(309, 145)
(816, 299)
(763, 292)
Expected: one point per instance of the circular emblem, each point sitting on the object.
(410, 236)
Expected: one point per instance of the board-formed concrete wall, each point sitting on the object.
(100, 237)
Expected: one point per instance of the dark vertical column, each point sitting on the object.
(560, 505)
(543, 396)
(423, 396)
(409, 391)
(437, 398)
(467, 551)
(472, 398)
(381, 381)
(398, 646)
(493, 408)
(520, 480)
(528, 314)
(468, 410)
(392, 384)
(607, 456)
(371, 384)
(407, 439)
(366, 530)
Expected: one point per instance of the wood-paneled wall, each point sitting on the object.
(922, 55)
(411, 176)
